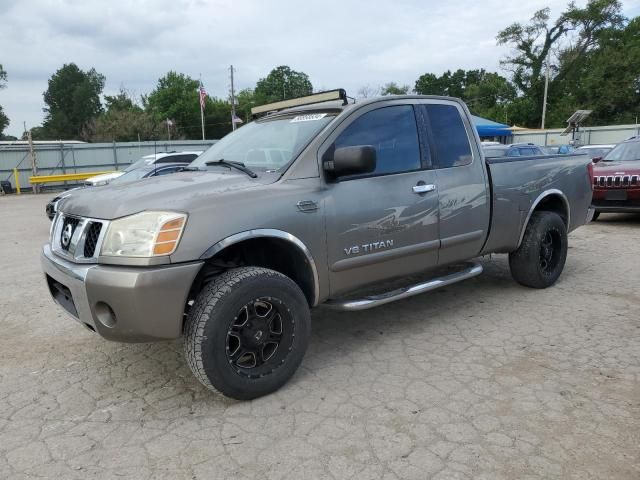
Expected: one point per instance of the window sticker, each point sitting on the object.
(308, 118)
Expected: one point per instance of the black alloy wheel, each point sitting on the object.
(260, 337)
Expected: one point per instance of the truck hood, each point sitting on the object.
(177, 192)
(630, 167)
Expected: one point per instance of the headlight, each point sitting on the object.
(145, 234)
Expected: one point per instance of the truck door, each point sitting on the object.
(383, 224)
(463, 192)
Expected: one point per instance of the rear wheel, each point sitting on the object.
(540, 259)
(247, 332)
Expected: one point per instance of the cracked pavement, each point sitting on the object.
(484, 379)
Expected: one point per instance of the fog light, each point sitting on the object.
(105, 315)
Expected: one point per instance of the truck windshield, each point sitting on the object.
(624, 151)
(267, 144)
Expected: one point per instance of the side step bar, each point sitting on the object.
(355, 304)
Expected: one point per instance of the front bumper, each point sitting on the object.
(616, 208)
(125, 304)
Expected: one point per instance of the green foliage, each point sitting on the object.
(217, 118)
(282, 83)
(73, 100)
(487, 94)
(605, 79)
(392, 88)
(122, 102)
(37, 133)
(245, 101)
(4, 120)
(123, 121)
(176, 98)
(564, 43)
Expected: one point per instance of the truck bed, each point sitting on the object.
(519, 183)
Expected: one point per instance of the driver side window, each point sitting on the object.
(393, 133)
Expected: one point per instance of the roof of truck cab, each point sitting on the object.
(484, 126)
(338, 106)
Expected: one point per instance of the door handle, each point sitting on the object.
(423, 188)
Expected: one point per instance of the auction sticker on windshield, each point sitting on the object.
(308, 118)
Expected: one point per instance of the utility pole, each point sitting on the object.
(34, 160)
(233, 102)
(546, 90)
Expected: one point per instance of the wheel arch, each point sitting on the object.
(552, 200)
(287, 255)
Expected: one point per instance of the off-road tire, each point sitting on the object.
(213, 314)
(528, 262)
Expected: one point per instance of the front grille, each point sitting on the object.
(67, 233)
(616, 181)
(77, 238)
(91, 239)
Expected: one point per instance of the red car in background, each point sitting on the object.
(616, 180)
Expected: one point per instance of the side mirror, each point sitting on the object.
(350, 160)
(596, 159)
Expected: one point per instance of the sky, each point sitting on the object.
(347, 43)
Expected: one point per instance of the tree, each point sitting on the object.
(487, 94)
(245, 99)
(392, 88)
(605, 79)
(73, 100)
(176, 98)
(4, 120)
(123, 121)
(540, 41)
(367, 91)
(282, 83)
(122, 101)
(217, 117)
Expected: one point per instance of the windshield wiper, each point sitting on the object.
(237, 165)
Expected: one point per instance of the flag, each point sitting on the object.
(203, 95)
(237, 119)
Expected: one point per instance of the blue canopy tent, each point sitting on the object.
(489, 128)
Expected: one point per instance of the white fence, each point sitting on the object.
(586, 135)
(61, 158)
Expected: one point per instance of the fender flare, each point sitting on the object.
(536, 202)
(269, 233)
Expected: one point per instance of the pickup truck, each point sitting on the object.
(317, 202)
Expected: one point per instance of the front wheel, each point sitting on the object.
(540, 259)
(247, 332)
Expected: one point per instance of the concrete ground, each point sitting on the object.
(483, 380)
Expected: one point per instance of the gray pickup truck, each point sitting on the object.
(317, 202)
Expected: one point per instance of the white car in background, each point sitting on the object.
(98, 180)
(595, 151)
(156, 158)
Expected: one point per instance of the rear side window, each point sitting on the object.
(393, 132)
(449, 136)
(524, 151)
